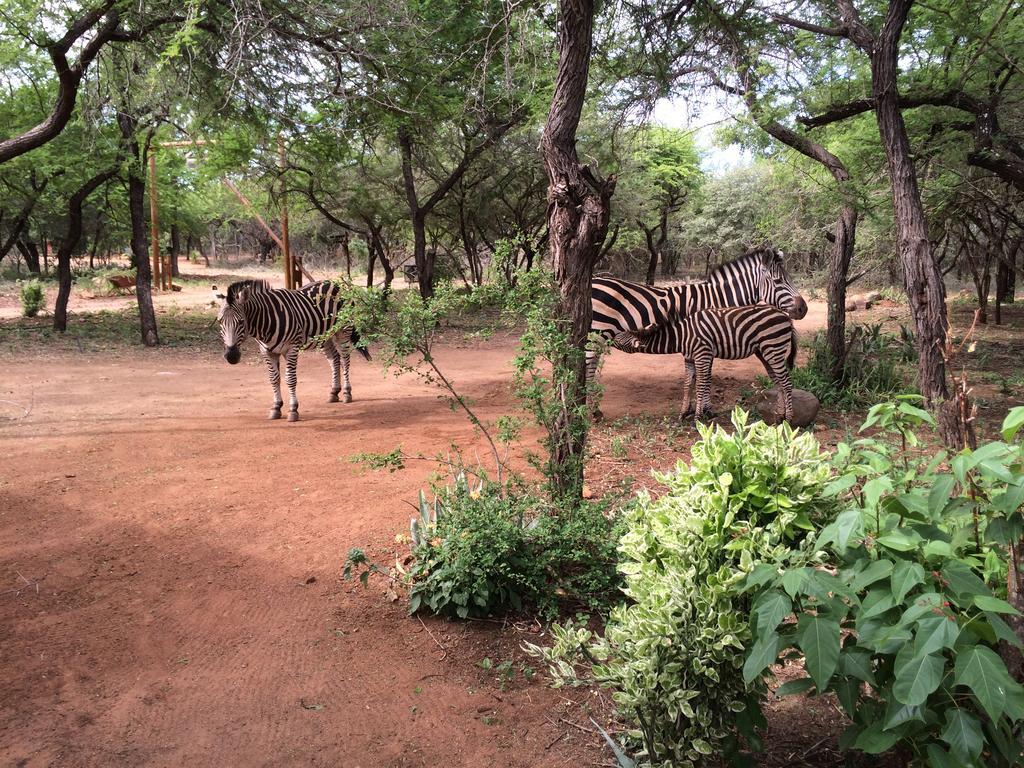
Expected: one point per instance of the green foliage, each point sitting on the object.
(674, 654)
(907, 595)
(478, 550)
(874, 368)
(32, 296)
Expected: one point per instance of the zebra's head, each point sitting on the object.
(231, 318)
(774, 285)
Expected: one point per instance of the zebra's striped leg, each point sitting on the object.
(703, 368)
(345, 352)
(331, 352)
(593, 359)
(274, 370)
(291, 361)
(689, 374)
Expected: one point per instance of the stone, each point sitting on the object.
(805, 407)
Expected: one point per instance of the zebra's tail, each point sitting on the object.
(354, 338)
(791, 360)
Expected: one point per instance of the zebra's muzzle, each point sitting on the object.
(232, 355)
(799, 309)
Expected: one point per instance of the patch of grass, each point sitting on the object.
(875, 368)
(110, 330)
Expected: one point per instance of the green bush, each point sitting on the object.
(480, 549)
(901, 615)
(874, 369)
(674, 654)
(32, 298)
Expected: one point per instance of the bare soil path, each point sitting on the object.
(170, 563)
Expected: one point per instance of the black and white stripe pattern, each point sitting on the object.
(729, 333)
(757, 277)
(283, 322)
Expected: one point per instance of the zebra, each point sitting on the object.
(283, 322)
(729, 333)
(757, 277)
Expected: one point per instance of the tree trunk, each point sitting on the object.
(579, 206)
(68, 243)
(175, 249)
(838, 268)
(139, 236)
(30, 253)
(921, 275)
(347, 252)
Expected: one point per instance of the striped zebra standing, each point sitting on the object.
(757, 277)
(283, 322)
(729, 333)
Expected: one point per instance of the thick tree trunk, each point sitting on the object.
(921, 275)
(139, 235)
(68, 243)
(579, 204)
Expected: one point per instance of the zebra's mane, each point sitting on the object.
(254, 286)
(750, 257)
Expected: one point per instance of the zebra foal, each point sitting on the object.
(729, 333)
(283, 322)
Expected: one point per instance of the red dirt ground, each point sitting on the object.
(170, 566)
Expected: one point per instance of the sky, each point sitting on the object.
(703, 118)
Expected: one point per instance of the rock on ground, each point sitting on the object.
(805, 407)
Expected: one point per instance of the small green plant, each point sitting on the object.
(874, 368)
(32, 298)
(479, 550)
(674, 654)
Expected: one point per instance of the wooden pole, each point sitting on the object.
(292, 278)
(154, 231)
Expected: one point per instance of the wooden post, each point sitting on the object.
(154, 231)
(292, 278)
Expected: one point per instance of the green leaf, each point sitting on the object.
(770, 609)
(761, 656)
(793, 580)
(875, 603)
(981, 670)
(994, 604)
(906, 576)
(846, 528)
(840, 484)
(963, 734)
(937, 757)
(935, 633)
(874, 740)
(897, 714)
(1003, 631)
(857, 663)
(917, 675)
(874, 488)
(938, 496)
(963, 582)
(1012, 423)
(819, 640)
(800, 685)
(878, 569)
(899, 541)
